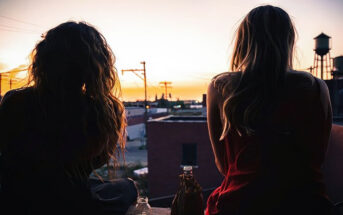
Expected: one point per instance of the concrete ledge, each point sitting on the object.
(160, 211)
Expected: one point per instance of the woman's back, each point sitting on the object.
(280, 163)
(35, 155)
(269, 126)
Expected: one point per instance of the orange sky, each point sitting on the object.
(177, 92)
(130, 93)
(185, 42)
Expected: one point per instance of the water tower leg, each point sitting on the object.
(321, 67)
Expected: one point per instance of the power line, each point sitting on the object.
(12, 30)
(17, 20)
(16, 28)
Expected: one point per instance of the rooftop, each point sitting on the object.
(172, 118)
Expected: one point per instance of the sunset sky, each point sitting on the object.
(183, 41)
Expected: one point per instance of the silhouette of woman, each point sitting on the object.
(269, 125)
(68, 123)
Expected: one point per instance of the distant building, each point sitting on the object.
(336, 95)
(204, 96)
(188, 103)
(135, 120)
(175, 141)
(335, 86)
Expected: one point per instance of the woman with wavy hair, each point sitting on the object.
(66, 124)
(269, 125)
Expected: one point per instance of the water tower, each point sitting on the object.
(322, 56)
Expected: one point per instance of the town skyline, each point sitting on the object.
(184, 42)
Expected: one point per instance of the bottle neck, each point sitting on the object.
(188, 170)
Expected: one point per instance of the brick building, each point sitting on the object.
(175, 141)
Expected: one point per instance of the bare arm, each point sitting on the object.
(214, 122)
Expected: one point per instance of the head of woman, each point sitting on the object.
(263, 53)
(73, 63)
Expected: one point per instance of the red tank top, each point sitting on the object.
(284, 157)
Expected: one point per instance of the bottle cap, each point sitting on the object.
(187, 168)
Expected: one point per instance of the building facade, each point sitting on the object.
(176, 141)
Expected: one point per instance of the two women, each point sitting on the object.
(269, 126)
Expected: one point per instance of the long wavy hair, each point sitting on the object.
(73, 67)
(263, 53)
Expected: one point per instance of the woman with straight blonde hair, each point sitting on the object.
(269, 125)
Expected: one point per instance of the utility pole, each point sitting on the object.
(135, 71)
(165, 85)
(0, 84)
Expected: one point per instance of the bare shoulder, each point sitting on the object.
(309, 87)
(226, 76)
(301, 80)
(224, 79)
(16, 96)
(213, 93)
(300, 76)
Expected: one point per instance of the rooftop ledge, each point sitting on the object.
(160, 211)
(172, 118)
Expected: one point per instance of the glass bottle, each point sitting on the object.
(142, 207)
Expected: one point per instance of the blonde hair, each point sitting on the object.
(263, 52)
